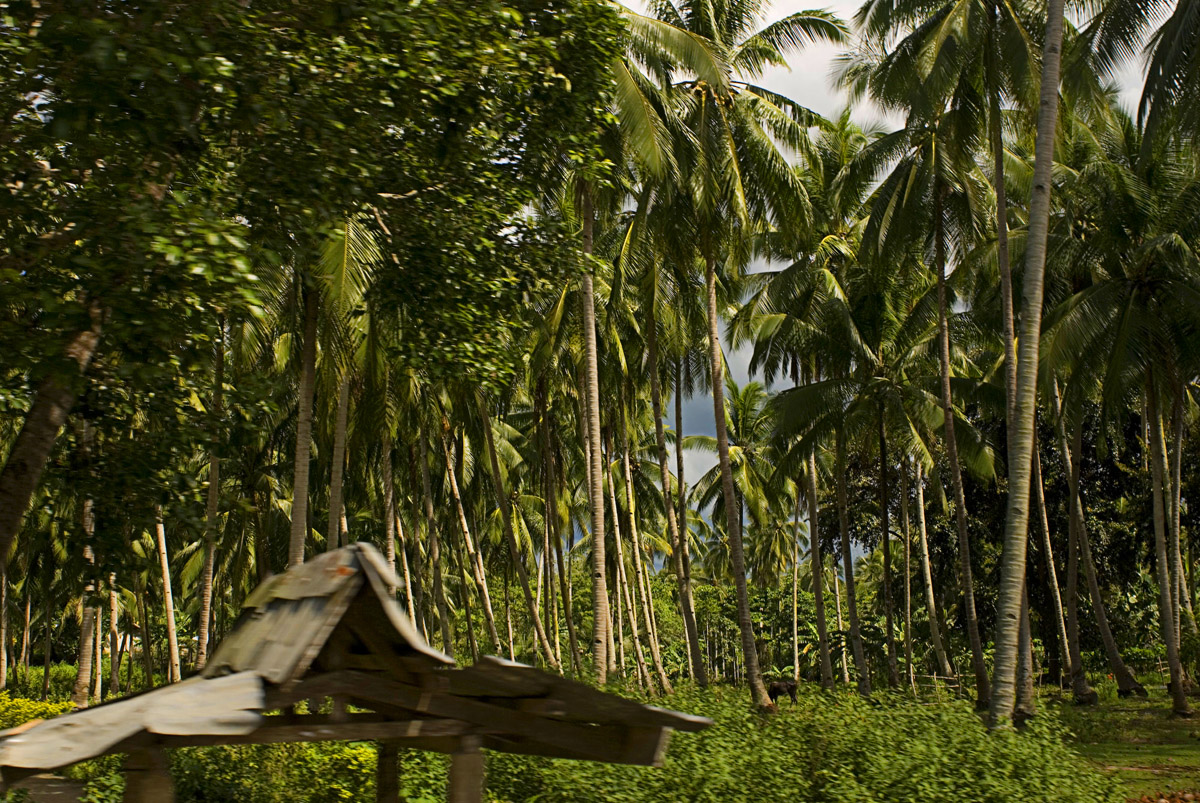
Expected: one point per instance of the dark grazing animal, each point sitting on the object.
(781, 687)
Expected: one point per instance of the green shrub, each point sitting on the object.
(16, 711)
(827, 749)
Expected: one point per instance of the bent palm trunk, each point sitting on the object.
(733, 525)
(935, 631)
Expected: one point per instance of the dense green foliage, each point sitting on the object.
(826, 749)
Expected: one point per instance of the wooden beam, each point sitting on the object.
(387, 773)
(319, 728)
(466, 773)
(147, 777)
(592, 742)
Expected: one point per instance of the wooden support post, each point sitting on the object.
(466, 772)
(387, 773)
(148, 777)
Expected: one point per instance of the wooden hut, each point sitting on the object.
(329, 632)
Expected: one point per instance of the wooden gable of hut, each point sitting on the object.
(330, 629)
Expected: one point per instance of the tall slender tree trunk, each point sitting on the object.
(47, 414)
(465, 586)
(1072, 461)
(600, 613)
(26, 635)
(506, 519)
(1084, 693)
(733, 524)
(97, 654)
(856, 641)
(636, 559)
(4, 631)
(168, 597)
(564, 576)
(1179, 576)
(212, 507)
(907, 525)
(308, 380)
(333, 532)
(1025, 707)
(837, 603)
(87, 619)
(885, 541)
(475, 558)
(817, 561)
(408, 584)
(674, 532)
(114, 636)
(1159, 490)
(982, 688)
(796, 591)
(390, 516)
(1021, 426)
(935, 631)
(418, 592)
(1060, 624)
(626, 600)
(435, 551)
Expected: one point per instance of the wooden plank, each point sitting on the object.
(354, 730)
(387, 773)
(465, 784)
(148, 777)
(227, 705)
(594, 742)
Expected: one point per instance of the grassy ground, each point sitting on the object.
(1136, 739)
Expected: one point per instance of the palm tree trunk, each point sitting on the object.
(114, 635)
(1026, 701)
(935, 631)
(26, 635)
(908, 651)
(1179, 577)
(817, 562)
(465, 586)
(982, 689)
(308, 381)
(1060, 624)
(636, 559)
(626, 599)
(856, 640)
(796, 591)
(1084, 693)
(885, 541)
(1021, 426)
(1126, 683)
(390, 518)
(168, 598)
(564, 579)
(87, 618)
(97, 650)
(418, 593)
(758, 691)
(837, 603)
(47, 639)
(674, 532)
(408, 584)
(1159, 490)
(333, 536)
(435, 551)
(472, 555)
(600, 614)
(506, 518)
(212, 510)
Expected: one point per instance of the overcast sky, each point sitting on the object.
(809, 83)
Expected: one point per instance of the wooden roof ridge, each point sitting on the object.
(289, 618)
